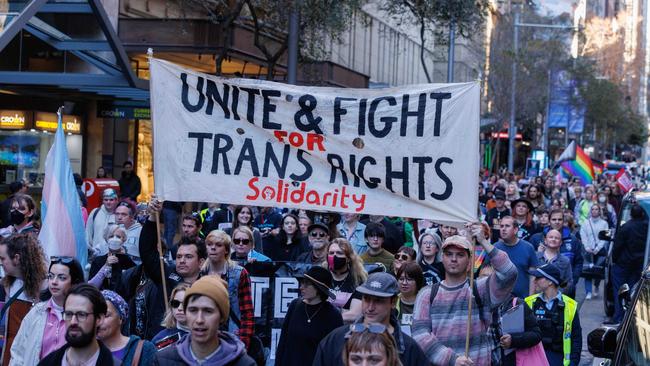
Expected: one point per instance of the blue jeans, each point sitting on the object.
(621, 275)
(170, 220)
(588, 285)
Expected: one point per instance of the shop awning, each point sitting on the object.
(67, 44)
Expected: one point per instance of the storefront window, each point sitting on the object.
(145, 158)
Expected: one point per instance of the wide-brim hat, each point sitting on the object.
(531, 208)
(322, 280)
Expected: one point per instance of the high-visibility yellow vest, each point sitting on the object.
(570, 309)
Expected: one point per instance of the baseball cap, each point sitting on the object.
(318, 225)
(499, 195)
(380, 284)
(457, 241)
(549, 271)
(109, 193)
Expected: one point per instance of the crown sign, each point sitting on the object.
(375, 284)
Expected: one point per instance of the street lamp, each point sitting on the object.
(512, 129)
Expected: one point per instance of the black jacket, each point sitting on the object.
(154, 302)
(629, 244)
(124, 263)
(56, 358)
(531, 335)
(331, 347)
(130, 186)
(150, 258)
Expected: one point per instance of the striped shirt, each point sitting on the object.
(440, 328)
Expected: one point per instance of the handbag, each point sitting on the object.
(531, 356)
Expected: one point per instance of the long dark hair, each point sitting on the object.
(282, 236)
(235, 219)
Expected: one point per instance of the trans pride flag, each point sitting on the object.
(62, 233)
(580, 167)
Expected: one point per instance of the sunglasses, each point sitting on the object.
(241, 241)
(64, 260)
(374, 328)
(175, 304)
(401, 257)
(317, 234)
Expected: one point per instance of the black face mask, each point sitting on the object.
(337, 263)
(17, 217)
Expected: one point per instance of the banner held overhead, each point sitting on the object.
(411, 151)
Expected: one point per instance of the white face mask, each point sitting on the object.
(602, 199)
(114, 244)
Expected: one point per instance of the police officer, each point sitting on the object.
(557, 316)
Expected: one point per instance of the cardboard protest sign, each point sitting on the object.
(411, 151)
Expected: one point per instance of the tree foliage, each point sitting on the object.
(433, 18)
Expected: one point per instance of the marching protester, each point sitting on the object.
(171, 212)
(346, 268)
(353, 231)
(523, 214)
(83, 311)
(244, 244)
(129, 350)
(288, 244)
(571, 247)
(318, 236)
(495, 214)
(627, 255)
(240, 319)
(371, 345)
(17, 187)
(99, 219)
(130, 185)
(433, 270)
(303, 223)
(375, 235)
(25, 274)
(175, 322)
(125, 213)
(521, 254)
(206, 307)
(550, 253)
(595, 249)
(309, 319)
(411, 281)
(558, 317)
(43, 329)
(379, 297)
(243, 217)
(404, 255)
(113, 263)
(22, 215)
(583, 205)
(440, 318)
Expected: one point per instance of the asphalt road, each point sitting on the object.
(591, 317)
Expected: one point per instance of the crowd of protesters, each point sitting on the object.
(379, 290)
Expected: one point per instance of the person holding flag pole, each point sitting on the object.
(451, 319)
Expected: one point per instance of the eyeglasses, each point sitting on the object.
(64, 260)
(81, 315)
(175, 304)
(317, 234)
(428, 243)
(241, 241)
(401, 257)
(406, 279)
(375, 328)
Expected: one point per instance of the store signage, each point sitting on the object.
(48, 122)
(108, 110)
(14, 120)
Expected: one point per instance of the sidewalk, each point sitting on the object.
(591, 317)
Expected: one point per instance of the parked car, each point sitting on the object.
(629, 343)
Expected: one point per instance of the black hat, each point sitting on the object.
(322, 280)
(531, 208)
(499, 195)
(549, 271)
(318, 225)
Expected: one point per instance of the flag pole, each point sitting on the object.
(471, 299)
(162, 262)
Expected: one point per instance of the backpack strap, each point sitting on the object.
(434, 292)
(138, 353)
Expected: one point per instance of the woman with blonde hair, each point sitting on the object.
(219, 246)
(370, 345)
(174, 321)
(244, 244)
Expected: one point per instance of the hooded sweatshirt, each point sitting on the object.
(231, 352)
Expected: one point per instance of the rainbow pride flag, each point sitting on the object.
(581, 167)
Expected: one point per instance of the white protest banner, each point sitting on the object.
(411, 151)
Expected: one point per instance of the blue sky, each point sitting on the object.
(555, 7)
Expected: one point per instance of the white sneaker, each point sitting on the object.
(588, 297)
(595, 294)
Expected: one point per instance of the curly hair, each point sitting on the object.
(359, 274)
(32, 262)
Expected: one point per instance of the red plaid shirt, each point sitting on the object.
(245, 308)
